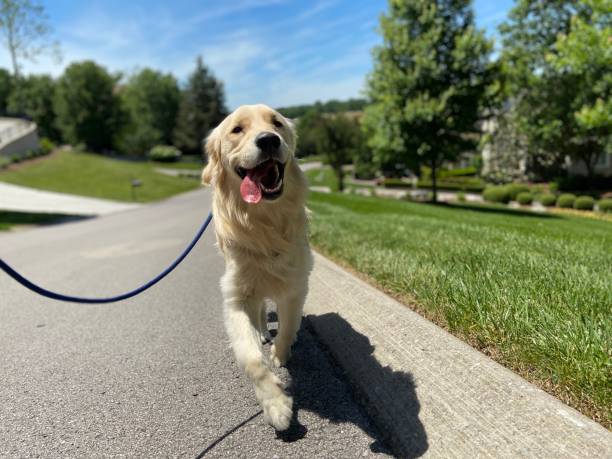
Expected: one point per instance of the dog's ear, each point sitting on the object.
(213, 167)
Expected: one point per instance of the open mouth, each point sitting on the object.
(264, 181)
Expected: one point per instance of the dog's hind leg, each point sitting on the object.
(242, 318)
(289, 312)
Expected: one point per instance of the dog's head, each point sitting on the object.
(249, 151)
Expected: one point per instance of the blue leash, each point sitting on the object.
(75, 299)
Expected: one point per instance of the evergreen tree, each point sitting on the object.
(428, 85)
(202, 108)
(86, 105)
(150, 100)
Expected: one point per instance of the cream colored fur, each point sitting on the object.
(266, 251)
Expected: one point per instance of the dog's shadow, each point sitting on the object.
(318, 386)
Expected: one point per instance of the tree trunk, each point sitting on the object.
(434, 187)
(340, 176)
(590, 166)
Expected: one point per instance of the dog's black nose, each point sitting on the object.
(267, 142)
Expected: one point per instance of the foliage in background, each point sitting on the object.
(87, 107)
(331, 106)
(550, 81)
(429, 83)
(32, 96)
(338, 137)
(150, 100)
(6, 87)
(164, 153)
(202, 107)
(24, 25)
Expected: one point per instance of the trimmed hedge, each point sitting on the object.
(605, 205)
(164, 153)
(525, 198)
(566, 201)
(547, 199)
(514, 189)
(499, 194)
(584, 203)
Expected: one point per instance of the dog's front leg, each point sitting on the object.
(289, 311)
(242, 320)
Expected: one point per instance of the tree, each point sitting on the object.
(6, 87)
(33, 96)
(26, 32)
(150, 100)
(202, 108)
(337, 137)
(556, 60)
(428, 85)
(307, 131)
(87, 107)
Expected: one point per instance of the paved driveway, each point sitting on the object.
(152, 376)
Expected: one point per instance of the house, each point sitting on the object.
(17, 137)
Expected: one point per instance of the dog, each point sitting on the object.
(260, 220)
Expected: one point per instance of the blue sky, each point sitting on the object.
(279, 52)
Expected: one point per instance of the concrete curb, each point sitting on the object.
(433, 394)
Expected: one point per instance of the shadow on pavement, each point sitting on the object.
(317, 386)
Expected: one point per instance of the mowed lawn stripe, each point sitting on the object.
(88, 174)
(534, 292)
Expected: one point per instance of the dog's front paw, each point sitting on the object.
(278, 412)
(279, 355)
(275, 403)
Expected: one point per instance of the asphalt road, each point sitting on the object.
(152, 376)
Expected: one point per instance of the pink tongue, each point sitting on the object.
(249, 190)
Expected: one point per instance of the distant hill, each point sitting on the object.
(331, 106)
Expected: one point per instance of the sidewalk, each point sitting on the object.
(22, 199)
(433, 394)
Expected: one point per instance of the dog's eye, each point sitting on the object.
(237, 130)
(278, 124)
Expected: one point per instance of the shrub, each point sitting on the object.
(547, 199)
(584, 203)
(497, 194)
(46, 146)
(566, 201)
(525, 198)
(164, 153)
(462, 172)
(4, 162)
(461, 196)
(605, 205)
(514, 189)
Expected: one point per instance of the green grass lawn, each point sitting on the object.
(98, 176)
(322, 177)
(532, 291)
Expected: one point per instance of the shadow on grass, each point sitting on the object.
(493, 209)
(8, 219)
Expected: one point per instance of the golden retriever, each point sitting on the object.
(260, 221)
